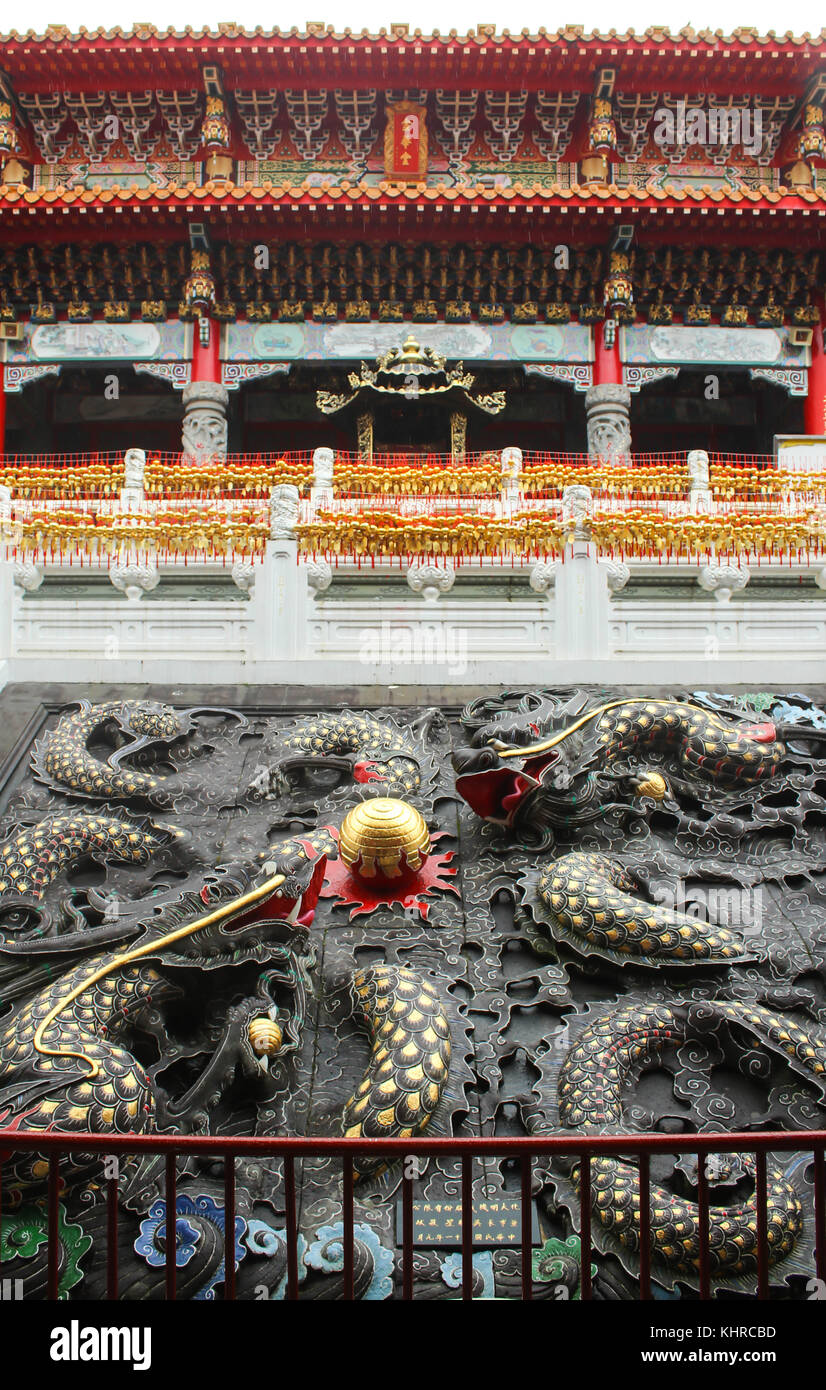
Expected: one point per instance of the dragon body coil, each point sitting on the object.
(706, 744)
(410, 1054)
(56, 1089)
(32, 857)
(62, 759)
(381, 753)
(609, 1055)
(592, 901)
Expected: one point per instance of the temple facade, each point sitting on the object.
(412, 711)
(346, 355)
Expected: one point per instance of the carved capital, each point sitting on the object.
(319, 575)
(511, 464)
(324, 461)
(134, 469)
(577, 510)
(543, 576)
(609, 429)
(698, 469)
(283, 511)
(722, 580)
(430, 580)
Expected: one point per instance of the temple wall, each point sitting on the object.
(659, 625)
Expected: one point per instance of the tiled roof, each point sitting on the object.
(400, 33)
(388, 192)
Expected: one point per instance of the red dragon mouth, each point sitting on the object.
(496, 794)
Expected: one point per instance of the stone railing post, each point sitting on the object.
(133, 492)
(321, 493)
(699, 492)
(279, 595)
(511, 478)
(581, 605)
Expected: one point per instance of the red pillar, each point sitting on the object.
(2, 411)
(814, 416)
(206, 359)
(607, 365)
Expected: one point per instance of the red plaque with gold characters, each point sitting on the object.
(405, 142)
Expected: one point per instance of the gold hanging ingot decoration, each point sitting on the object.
(412, 373)
(811, 144)
(385, 838)
(199, 288)
(9, 139)
(618, 290)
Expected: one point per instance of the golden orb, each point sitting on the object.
(652, 784)
(265, 1036)
(383, 837)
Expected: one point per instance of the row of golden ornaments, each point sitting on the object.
(618, 304)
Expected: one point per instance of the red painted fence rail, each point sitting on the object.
(582, 1147)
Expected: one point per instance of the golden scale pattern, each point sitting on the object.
(591, 898)
(708, 746)
(119, 1096)
(34, 856)
(408, 1068)
(608, 1056)
(63, 760)
(354, 733)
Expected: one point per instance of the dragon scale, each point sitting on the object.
(608, 1056)
(592, 901)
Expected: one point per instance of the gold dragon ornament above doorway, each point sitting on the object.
(412, 373)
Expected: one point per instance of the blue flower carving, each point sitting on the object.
(327, 1254)
(149, 1243)
(262, 1239)
(482, 1264)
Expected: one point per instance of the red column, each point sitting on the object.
(814, 410)
(206, 359)
(607, 365)
(2, 410)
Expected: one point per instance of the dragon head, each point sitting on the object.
(235, 916)
(529, 765)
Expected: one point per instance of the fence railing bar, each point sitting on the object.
(112, 1186)
(348, 1227)
(761, 1200)
(526, 1204)
(703, 1218)
(645, 1226)
(292, 1227)
(570, 1144)
(585, 1227)
(467, 1227)
(229, 1228)
(171, 1252)
(820, 1214)
(407, 1237)
(54, 1227)
(581, 1148)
